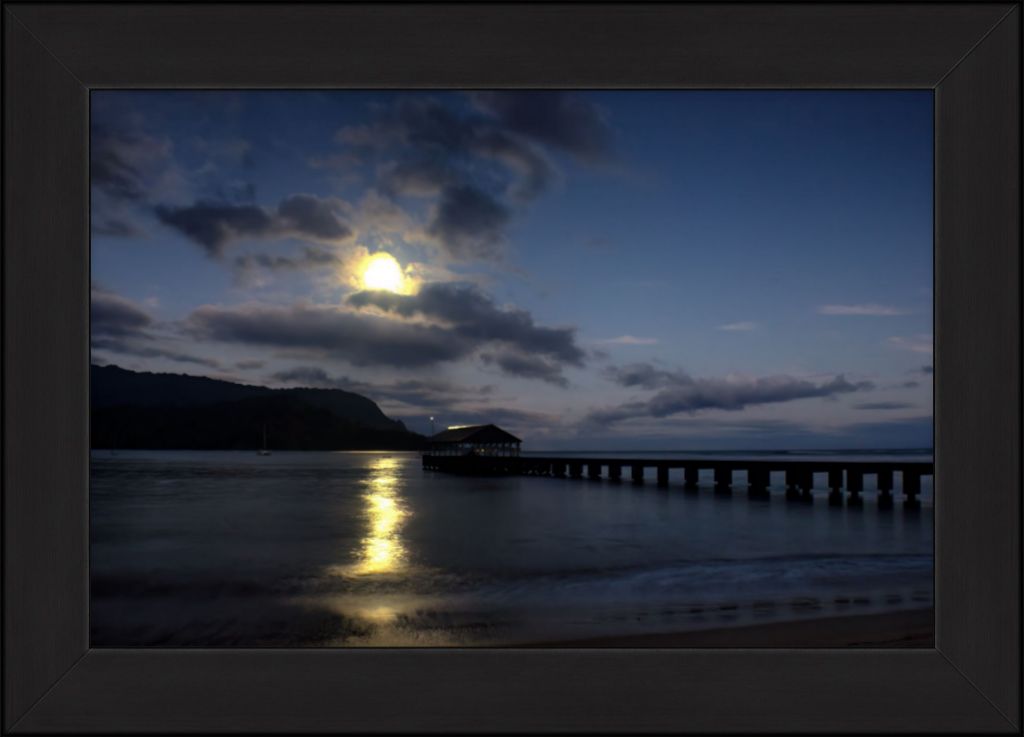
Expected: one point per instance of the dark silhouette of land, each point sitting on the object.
(141, 410)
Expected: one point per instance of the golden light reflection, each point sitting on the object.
(380, 614)
(382, 549)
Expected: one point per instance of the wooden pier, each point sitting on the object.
(843, 479)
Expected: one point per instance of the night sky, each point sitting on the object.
(592, 270)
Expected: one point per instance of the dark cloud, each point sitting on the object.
(306, 215)
(424, 121)
(927, 369)
(431, 394)
(213, 225)
(216, 224)
(249, 365)
(307, 258)
(559, 119)
(534, 171)
(362, 340)
(884, 405)
(421, 123)
(460, 321)
(644, 375)
(310, 376)
(475, 317)
(449, 148)
(468, 222)
(114, 316)
(120, 161)
(114, 227)
(527, 366)
(119, 325)
(473, 164)
(124, 168)
(678, 392)
(419, 177)
(141, 349)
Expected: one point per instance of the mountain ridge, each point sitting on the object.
(133, 409)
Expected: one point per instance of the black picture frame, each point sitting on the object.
(968, 53)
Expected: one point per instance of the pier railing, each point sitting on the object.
(843, 479)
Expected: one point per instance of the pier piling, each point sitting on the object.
(723, 480)
(884, 484)
(793, 484)
(758, 482)
(799, 474)
(911, 488)
(806, 484)
(835, 485)
(854, 485)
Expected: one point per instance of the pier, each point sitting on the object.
(844, 480)
(487, 450)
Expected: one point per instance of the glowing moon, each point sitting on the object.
(383, 272)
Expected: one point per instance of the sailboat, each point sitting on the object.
(264, 451)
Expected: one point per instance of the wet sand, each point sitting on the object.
(914, 628)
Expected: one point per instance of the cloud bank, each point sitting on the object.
(677, 392)
(868, 310)
(215, 225)
(120, 326)
(443, 322)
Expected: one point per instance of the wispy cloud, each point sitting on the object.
(214, 225)
(916, 343)
(124, 327)
(476, 166)
(443, 322)
(677, 392)
(869, 309)
(628, 340)
(743, 326)
(884, 405)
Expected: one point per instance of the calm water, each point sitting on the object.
(229, 549)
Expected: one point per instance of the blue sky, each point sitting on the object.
(631, 269)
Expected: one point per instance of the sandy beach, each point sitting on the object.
(914, 628)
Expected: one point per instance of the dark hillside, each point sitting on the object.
(173, 411)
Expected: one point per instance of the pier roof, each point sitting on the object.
(474, 434)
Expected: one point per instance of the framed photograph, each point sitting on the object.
(512, 368)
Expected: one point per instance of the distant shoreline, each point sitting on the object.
(254, 451)
(911, 628)
(745, 451)
(835, 451)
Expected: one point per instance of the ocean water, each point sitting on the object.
(348, 549)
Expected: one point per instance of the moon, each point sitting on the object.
(383, 272)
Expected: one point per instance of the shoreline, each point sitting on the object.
(907, 628)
